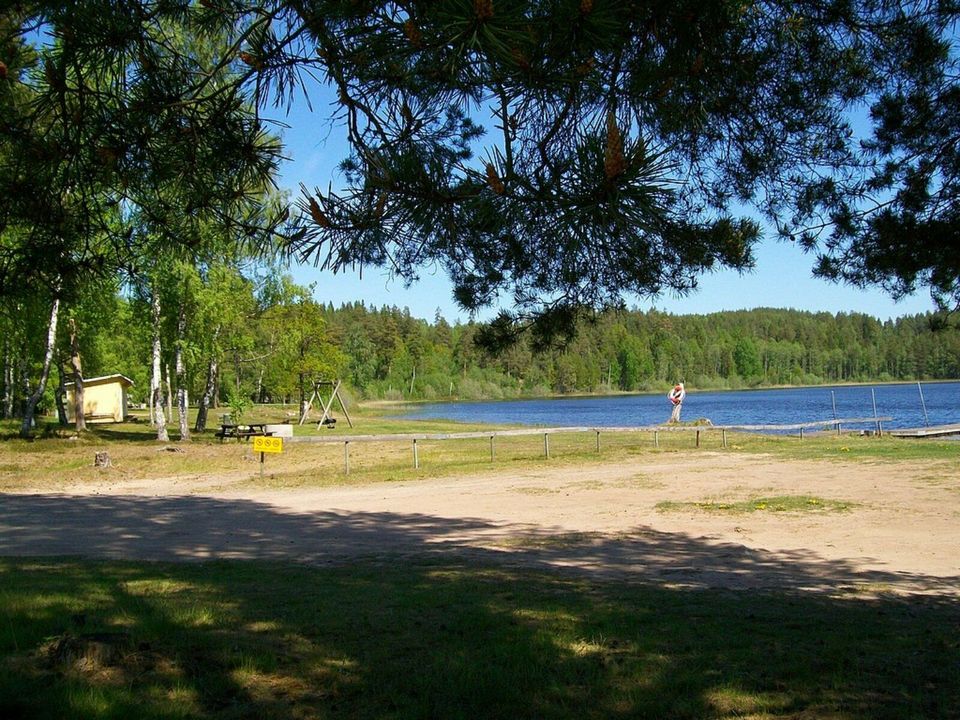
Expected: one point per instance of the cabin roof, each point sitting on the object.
(104, 380)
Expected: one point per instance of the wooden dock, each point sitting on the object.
(924, 432)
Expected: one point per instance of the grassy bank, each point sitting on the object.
(56, 460)
(232, 640)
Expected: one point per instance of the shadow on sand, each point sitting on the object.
(411, 616)
(205, 528)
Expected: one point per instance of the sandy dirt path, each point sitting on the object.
(902, 533)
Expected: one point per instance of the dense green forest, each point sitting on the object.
(243, 336)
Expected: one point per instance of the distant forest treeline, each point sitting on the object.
(241, 341)
(393, 356)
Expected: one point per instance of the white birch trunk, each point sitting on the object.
(207, 396)
(159, 419)
(34, 398)
(182, 399)
(8, 393)
(169, 397)
(210, 387)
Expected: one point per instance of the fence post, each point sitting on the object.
(698, 438)
(346, 457)
(656, 438)
(724, 433)
(598, 441)
(416, 456)
(546, 445)
(491, 448)
(801, 434)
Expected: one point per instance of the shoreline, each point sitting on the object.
(386, 404)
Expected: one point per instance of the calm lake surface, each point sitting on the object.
(748, 407)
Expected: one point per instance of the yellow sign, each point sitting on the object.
(265, 444)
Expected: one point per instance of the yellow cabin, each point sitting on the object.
(104, 399)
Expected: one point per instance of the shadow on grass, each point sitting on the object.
(122, 432)
(402, 616)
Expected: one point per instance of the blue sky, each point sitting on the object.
(782, 277)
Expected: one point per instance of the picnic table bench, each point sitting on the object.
(241, 431)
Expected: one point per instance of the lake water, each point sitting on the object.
(748, 407)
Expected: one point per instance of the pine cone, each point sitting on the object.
(413, 34)
(613, 162)
(494, 181)
(483, 9)
(317, 214)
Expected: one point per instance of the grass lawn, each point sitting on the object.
(424, 640)
(382, 637)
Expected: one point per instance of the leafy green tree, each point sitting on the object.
(746, 356)
(303, 355)
(135, 121)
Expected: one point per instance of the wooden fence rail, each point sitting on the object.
(838, 423)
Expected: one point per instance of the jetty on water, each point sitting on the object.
(926, 432)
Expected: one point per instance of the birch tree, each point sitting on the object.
(32, 398)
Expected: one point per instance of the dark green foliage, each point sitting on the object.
(621, 137)
(554, 154)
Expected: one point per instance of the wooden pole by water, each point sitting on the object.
(598, 441)
(833, 399)
(416, 456)
(346, 458)
(926, 420)
(873, 394)
(546, 445)
(492, 455)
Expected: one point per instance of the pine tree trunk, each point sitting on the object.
(183, 401)
(62, 395)
(34, 398)
(159, 420)
(77, 370)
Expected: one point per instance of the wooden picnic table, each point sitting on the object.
(241, 431)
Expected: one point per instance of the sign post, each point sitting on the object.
(265, 444)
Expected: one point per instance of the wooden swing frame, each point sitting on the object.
(326, 405)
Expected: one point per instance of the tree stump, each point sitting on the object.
(101, 459)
